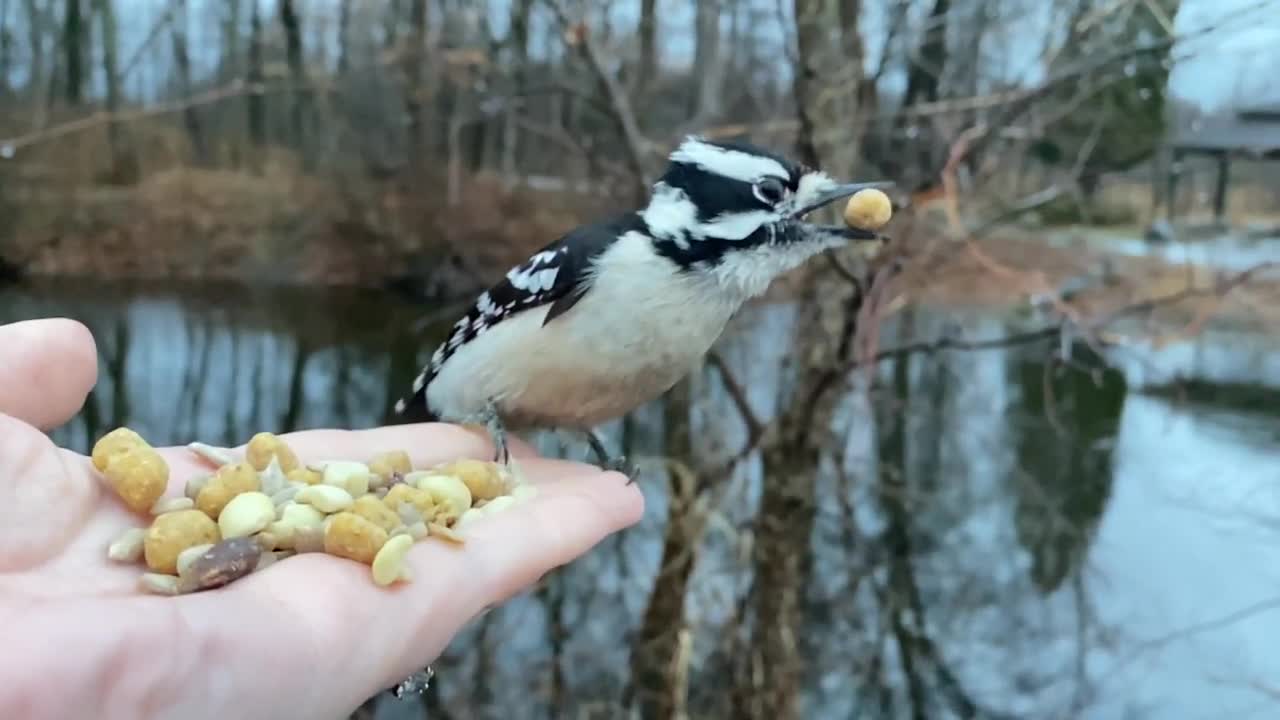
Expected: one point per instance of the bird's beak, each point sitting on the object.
(839, 192)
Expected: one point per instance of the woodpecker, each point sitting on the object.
(614, 313)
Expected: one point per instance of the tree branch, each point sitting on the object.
(234, 89)
(739, 396)
(1023, 103)
(620, 105)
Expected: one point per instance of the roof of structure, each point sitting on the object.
(1251, 130)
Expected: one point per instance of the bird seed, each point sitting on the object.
(262, 505)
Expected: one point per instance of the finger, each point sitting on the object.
(47, 368)
(426, 443)
(328, 610)
(503, 554)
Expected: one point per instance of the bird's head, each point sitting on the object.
(738, 212)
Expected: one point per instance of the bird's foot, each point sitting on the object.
(616, 464)
(415, 684)
(492, 422)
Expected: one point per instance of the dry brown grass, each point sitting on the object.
(1007, 268)
(280, 226)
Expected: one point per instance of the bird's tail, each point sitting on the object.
(412, 409)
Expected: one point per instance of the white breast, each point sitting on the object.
(639, 330)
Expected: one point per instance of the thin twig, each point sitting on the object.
(948, 342)
(757, 431)
(234, 89)
(152, 34)
(754, 427)
(1089, 67)
(1029, 203)
(1231, 618)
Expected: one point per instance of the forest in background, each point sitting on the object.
(430, 142)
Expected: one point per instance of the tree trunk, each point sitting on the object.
(344, 38)
(830, 84)
(182, 62)
(648, 69)
(255, 105)
(229, 63)
(923, 79)
(391, 24)
(769, 675)
(293, 56)
(123, 169)
(659, 664)
(512, 162)
(929, 60)
(6, 47)
(707, 61)
(72, 36)
(229, 68)
(35, 41)
(412, 64)
(810, 41)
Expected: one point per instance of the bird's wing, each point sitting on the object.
(557, 275)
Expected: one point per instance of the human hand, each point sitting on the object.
(309, 637)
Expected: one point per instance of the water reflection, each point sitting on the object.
(219, 363)
(999, 534)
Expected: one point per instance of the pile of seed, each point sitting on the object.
(256, 510)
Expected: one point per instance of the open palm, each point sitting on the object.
(309, 637)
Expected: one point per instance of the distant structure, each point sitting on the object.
(1246, 132)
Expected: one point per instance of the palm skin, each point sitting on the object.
(310, 637)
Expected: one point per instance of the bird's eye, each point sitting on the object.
(770, 190)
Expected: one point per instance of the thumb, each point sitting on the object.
(44, 496)
(47, 368)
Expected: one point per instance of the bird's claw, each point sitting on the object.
(610, 463)
(415, 684)
(492, 422)
(623, 465)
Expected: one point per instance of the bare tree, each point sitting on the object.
(122, 166)
(344, 38)
(182, 61)
(256, 105)
(72, 45)
(648, 30)
(770, 670)
(658, 663)
(35, 46)
(6, 44)
(414, 57)
(291, 23)
(708, 61)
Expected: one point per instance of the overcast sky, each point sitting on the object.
(1242, 63)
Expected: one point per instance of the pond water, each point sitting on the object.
(1081, 547)
(1231, 251)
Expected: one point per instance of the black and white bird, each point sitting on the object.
(613, 314)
